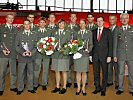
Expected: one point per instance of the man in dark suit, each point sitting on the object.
(113, 27)
(101, 54)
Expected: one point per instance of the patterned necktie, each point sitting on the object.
(99, 35)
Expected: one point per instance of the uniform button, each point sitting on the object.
(126, 45)
(125, 37)
(125, 41)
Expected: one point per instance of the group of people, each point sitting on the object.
(107, 48)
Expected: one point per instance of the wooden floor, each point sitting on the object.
(70, 95)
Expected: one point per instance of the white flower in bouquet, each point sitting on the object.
(43, 42)
(70, 45)
(47, 43)
(44, 46)
(53, 38)
(53, 43)
(46, 38)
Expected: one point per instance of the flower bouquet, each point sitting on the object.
(47, 45)
(73, 47)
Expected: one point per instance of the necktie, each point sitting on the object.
(99, 35)
(60, 32)
(10, 27)
(51, 27)
(90, 26)
(125, 28)
(82, 32)
(42, 30)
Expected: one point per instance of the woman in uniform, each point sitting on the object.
(81, 65)
(60, 62)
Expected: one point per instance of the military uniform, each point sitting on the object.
(91, 26)
(33, 28)
(123, 50)
(60, 62)
(82, 64)
(41, 59)
(74, 29)
(51, 28)
(8, 35)
(112, 64)
(21, 39)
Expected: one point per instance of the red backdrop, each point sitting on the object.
(59, 14)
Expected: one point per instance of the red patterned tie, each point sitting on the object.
(99, 35)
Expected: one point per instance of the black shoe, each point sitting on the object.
(77, 93)
(95, 91)
(103, 93)
(84, 93)
(44, 88)
(14, 89)
(75, 85)
(1, 93)
(116, 87)
(56, 90)
(119, 92)
(68, 85)
(62, 91)
(35, 88)
(19, 92)
(31, 91)
(109, 84)
(131, 93)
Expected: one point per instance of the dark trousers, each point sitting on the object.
(103, 63)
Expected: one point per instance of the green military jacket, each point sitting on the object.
(64, 38)
(7, 38)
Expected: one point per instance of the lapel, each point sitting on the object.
(102, 35)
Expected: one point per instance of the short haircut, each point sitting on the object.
(100, 17)
(51, 14)
(9, 14)
(124, 14)
(83, 20)
(90, 14)
(112, 16)
(42, 18)
(73, 13)
(61, 20)
(26, 20)
(31, 14)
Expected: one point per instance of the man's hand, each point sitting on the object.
(115, 59)
(6, 52)
(24, 54)
(90, 58)
(30, 54)
(108, 59)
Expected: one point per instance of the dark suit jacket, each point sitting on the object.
(102, 49)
